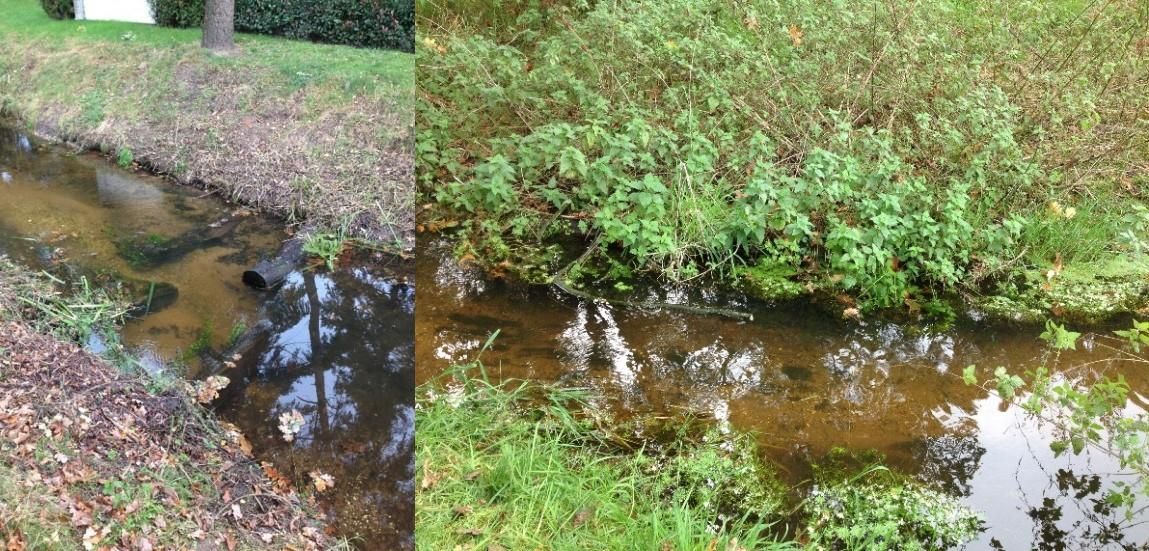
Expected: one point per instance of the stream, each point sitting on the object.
(334, 345)
(803, 381)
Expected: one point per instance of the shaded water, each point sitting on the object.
(805, 382)
(337, 346)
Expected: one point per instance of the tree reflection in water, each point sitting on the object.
(341, 351)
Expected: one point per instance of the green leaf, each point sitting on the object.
(1060, 337)
(1078, 444)
(969, 375)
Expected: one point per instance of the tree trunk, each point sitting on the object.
(319, 366)
(219, 25)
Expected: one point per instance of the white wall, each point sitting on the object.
(137, 11)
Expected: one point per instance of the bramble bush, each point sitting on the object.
(869, 147)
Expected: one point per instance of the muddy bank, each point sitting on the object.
(295, 129)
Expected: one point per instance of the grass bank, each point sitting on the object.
(884, 151)
(97, 454)
(301, 130)
(519, 466)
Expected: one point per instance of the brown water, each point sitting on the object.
(337, 346)
(805, 382)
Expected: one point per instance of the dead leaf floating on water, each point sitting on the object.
(208, 390)
(290, 424)
(322, 481)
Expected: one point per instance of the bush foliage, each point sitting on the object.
(362, 23)
(59, 9)
(178, 13)
(867, 146)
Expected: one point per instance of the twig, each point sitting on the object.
(560, 282)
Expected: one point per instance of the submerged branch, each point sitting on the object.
(561, 282)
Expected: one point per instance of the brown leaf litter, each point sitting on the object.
(124, 467)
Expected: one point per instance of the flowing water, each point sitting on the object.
(805, 381)
(337, 346)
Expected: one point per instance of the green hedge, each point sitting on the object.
(177, 13)
(362, 23)
(59, 9)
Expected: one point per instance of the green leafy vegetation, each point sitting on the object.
(237, 331)
(494, 473)
(86, 312)
(201, 344)
(125, 158)
(885, 151)
(862, 515)
(327, 246)
(518, 465)
(362, 23)
(59, 9)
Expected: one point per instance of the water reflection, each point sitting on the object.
(340, 352)
(335, 346)
(803, 380)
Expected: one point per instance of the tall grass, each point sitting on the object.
(493, 473)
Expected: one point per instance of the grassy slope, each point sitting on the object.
(885, 152)
(298, 129)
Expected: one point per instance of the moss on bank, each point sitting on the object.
(1082, 293)
(297, 129)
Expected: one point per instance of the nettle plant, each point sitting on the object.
(1087, 414)
(874, 148)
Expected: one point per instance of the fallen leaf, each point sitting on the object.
(795, 35)
(429, 478)
(463, 510)
(290, 424)
(15, 542)
(322, 481)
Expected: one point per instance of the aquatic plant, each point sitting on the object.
(86, 311)
(519, 465)
(327, 246)
(125, 158)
